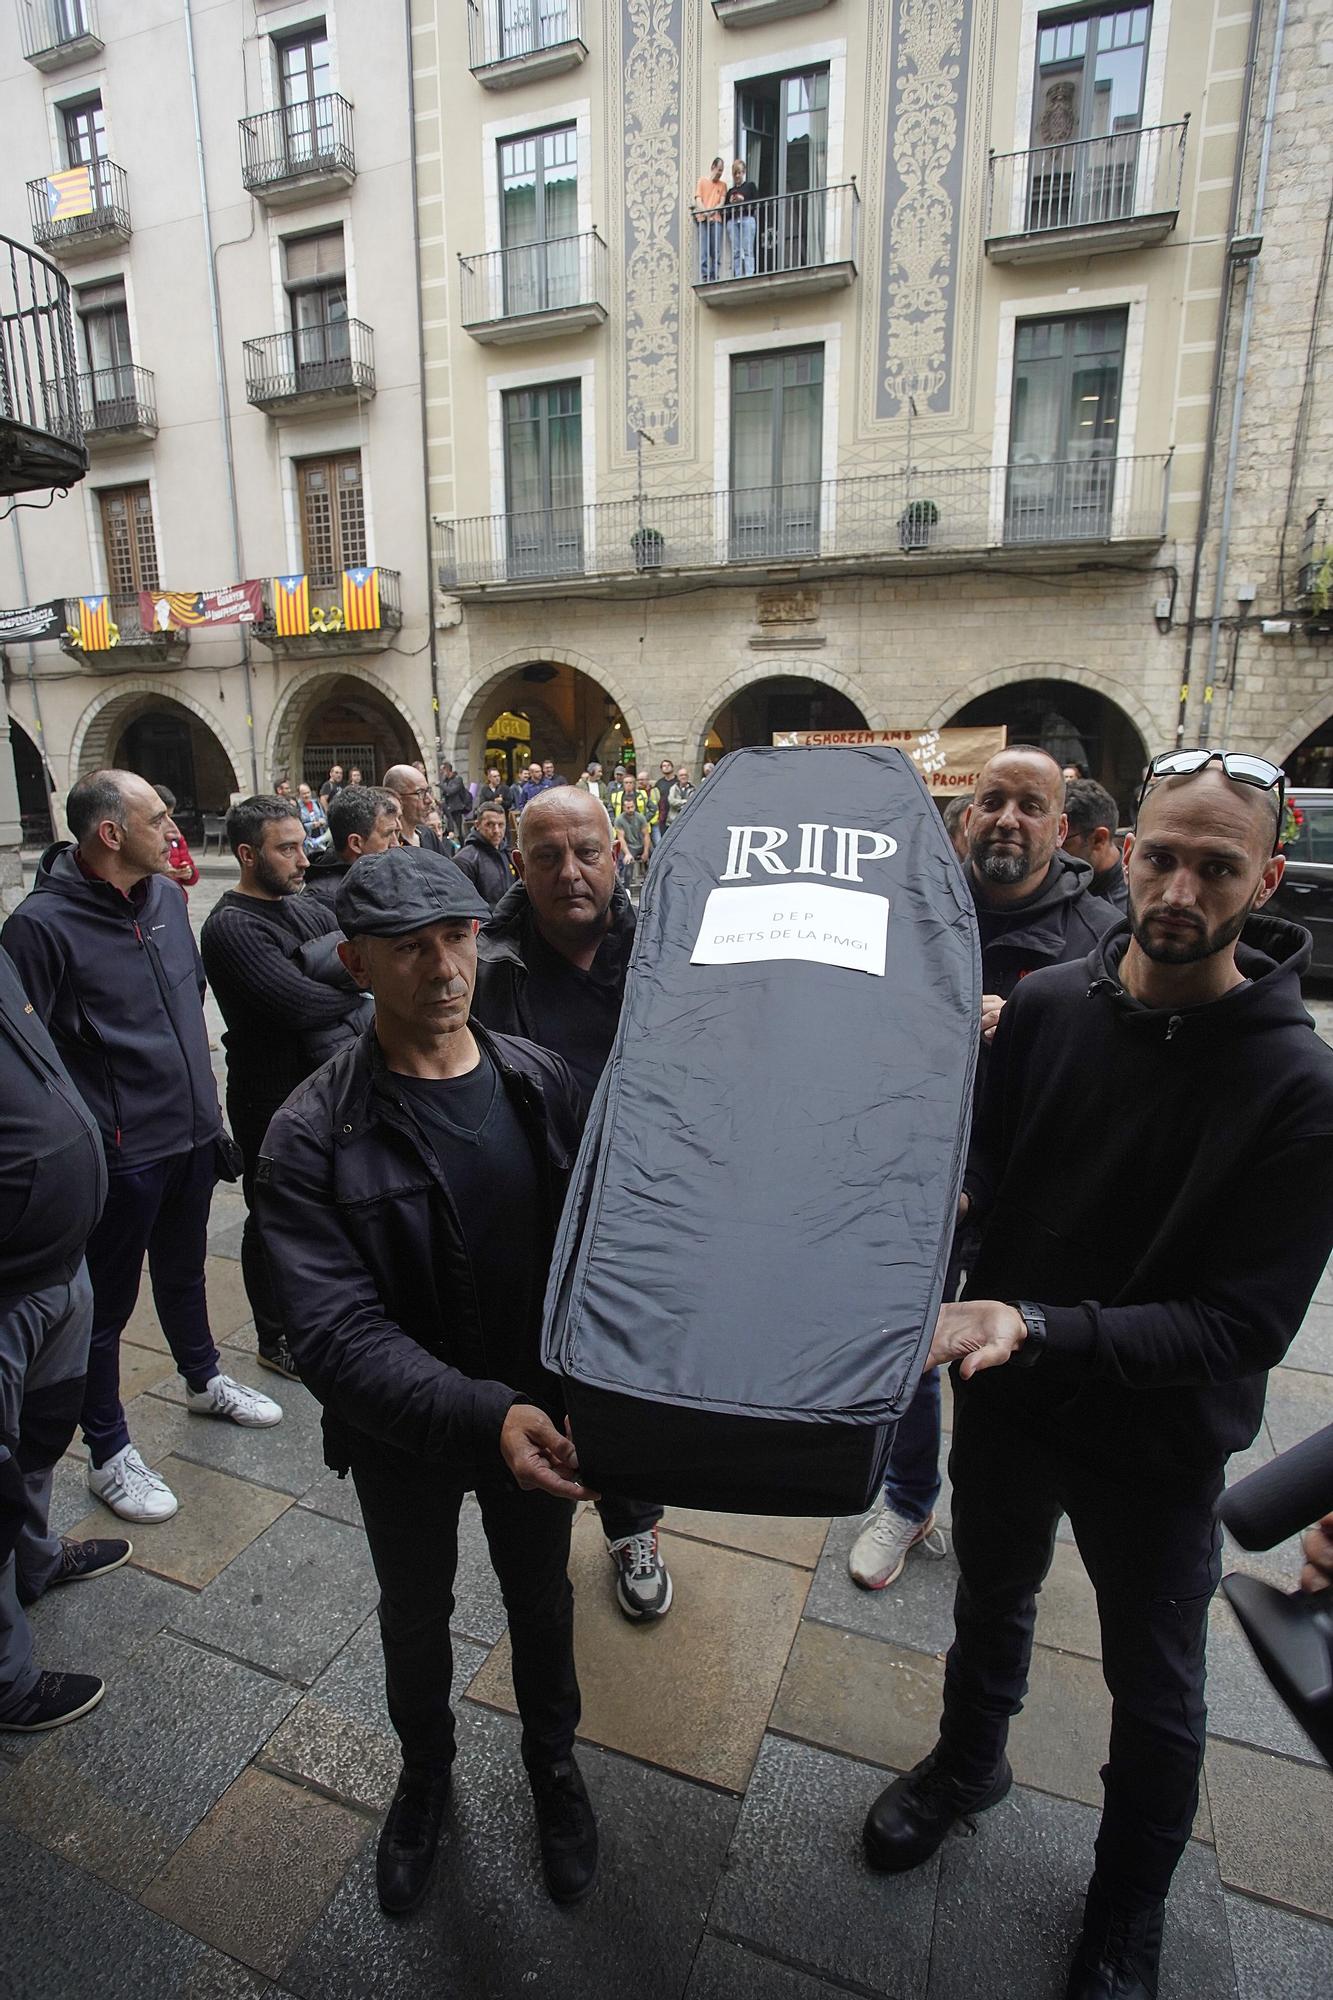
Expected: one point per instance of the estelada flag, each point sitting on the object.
(69, 193)
(291, 605)
(361, 599)
(95, 624)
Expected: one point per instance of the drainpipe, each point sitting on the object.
(421, 378)
(219, 368)
(1238, 400)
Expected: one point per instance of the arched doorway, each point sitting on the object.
(169, 741)
(544, 709)
(1076, 724)
(1311, 762)
(755, 714)
(340, 719)
(33, 790)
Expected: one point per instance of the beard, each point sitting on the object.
(1001, 868)
(1186, 947)
(275, 881)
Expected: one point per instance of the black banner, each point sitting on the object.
(34, 621)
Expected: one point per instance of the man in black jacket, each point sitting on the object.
(282, 1021)
(455, 799)
(105, 952)
(412, 791)
(408, 1197)
(363, 819)
(484, 856)
(1092, 816)
(1138, 1352)
(551, 965)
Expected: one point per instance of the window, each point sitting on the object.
(543, 443)
(106, 344)
(130, 547)
(777, 442)
(316, 280)
(1086, 112)
(1064, 426)
(304, 87)
(539, 208)
(333, 516)
(528, 25)
(83, 130)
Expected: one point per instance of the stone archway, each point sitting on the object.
(1152, 729)
(1070, 713)
(346, 702)
(575, 699)
(103, 723)
(1302, 736)
(812, 673)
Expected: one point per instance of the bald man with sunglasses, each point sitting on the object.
(1122, 1314)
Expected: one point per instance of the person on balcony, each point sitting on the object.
(742, 220)
(709, 196)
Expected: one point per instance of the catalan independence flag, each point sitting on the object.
(291, 605)
(69, 193)
(95, 624)
(361, 600)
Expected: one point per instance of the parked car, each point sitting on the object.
(1306, 890)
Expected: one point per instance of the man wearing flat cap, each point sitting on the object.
(408, 1195)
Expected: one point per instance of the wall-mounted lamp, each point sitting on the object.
(1244, 249)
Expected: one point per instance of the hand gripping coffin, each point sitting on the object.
(752, 1254)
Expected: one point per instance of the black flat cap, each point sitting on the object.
(403, 889)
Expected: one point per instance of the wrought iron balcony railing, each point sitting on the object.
(788, 237)
(55, 32)
(305, 143)
(564, 276)
(329, 627)
(946, 510)
(62, 223)
(41, 431)
(332, 358)
(514, 31)
(1088, 184)
(115, 400)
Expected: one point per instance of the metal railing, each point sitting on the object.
(502, 30)
(529, 278)
(777, 234)
(110, 209)
(295, 140)
(326, 602)
(122, 398)
(125, 625)
(48, 25)
(1086, 182)
(310, 360)
(955, 510)
(38, 371)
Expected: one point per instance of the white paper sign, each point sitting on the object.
(794, 920)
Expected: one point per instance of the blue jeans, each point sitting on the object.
(710, 248)
(912, 1482)
(741, 234)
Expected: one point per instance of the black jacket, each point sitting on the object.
(1162, 1184)
(52, 1168)
(324, 878)
(369, 1262)
(501, 971)
(454, 795)
(118, 982)
(1062, 923)
(486, 867)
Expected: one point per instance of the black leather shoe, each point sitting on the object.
(566, 1829)
(409, 1838)
(1118, 1952)
(910, 1820)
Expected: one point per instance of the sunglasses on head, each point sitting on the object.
(1239, 766)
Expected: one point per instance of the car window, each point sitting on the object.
(1317, 841)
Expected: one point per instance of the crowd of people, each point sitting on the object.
(419, 1004)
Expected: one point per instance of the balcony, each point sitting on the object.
(41, 430)
(742, 13)
(118, 405)
(132, 641)
(535, 290)
(298, 151)
(80, 211)
(790, 245)
(311, 367)
(1121, 192)
(945, 517)
(1314, 579)
(324, 614)
(57, 32)
(518, 41)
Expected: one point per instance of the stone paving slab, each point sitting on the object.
(1299, 1404)
(290, 1601)
(795, 1539)
(691, 1693)
(1278, 1956)
(217, 1518)
(143, 1368)
(916, 1611)
(487, 1927)
(1241, 1703)
(258, 1869)
(1274, 1825)
(1312, 1349)
(288, 1456)
(726, 1971)
(334, 1497)
(120, 1791)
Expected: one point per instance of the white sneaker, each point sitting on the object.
(880, 1550)
(236, 1401)
(129, 1488)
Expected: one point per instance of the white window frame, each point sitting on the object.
(780, 61)
(579, 115)
(283, 224)
(70, 92)
(280, 24)
(1154, 72)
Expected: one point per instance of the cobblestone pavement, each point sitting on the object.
(208, 1832)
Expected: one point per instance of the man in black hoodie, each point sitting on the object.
(484, 856)
(1139, 1304)
(363, 819)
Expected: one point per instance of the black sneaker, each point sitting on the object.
(56, 1698)
(80, 1560)
(280, 1359)
(643, 1581)
(409, 1838)
(1118, 1953)
(566, 1829)
(910, 1819)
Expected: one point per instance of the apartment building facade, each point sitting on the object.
(227, 190)
(916, 431)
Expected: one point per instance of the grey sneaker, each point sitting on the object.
(880, 1550)
(643, 1581)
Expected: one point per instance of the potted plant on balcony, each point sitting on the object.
(648, 545)
(916, 524)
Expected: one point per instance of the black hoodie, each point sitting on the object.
(525, 987)
(1060, 922)
(486, 867)
(1161, 1183)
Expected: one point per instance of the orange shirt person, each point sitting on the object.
(708, 198)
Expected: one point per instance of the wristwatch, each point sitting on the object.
(1034, 1319)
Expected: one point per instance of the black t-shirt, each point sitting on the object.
(484, 1155)
(740, 199)
(574, 1012)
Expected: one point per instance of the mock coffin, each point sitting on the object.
(753, 1250)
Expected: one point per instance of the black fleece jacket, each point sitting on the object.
(1161, 1183)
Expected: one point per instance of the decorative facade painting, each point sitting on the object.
(651, 33)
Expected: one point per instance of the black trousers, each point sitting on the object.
(249, 1119)
(411, 1511)
(1153, 1554)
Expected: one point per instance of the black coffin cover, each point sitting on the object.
(753, 1250)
